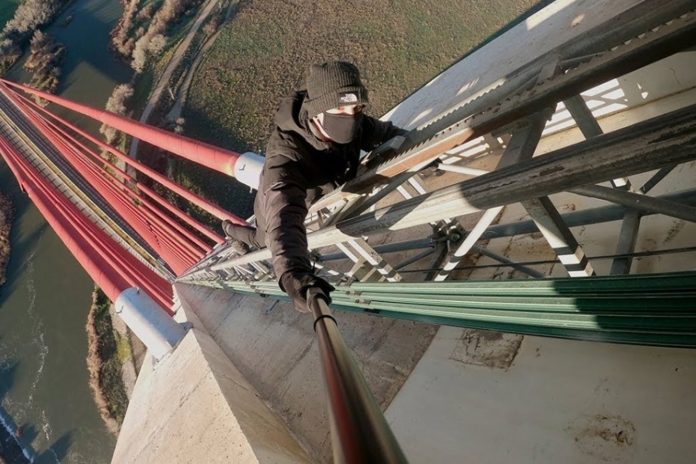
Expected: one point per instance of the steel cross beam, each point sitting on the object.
(597, 215)
(631, 222)
(651, 36)
(550, 223)
(627, 242)
(589, 127)
(557, 233)
(661, 141)
(638, 202)
(520, 148)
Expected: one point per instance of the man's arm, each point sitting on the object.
(286, 210)
(376, 132)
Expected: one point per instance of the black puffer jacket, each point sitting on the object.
(299, 168)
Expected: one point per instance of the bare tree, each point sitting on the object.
(140, 54)
(146, 13)
(44, 62)
(157, 44)
(30, 14)
(168, 12)
(179, 125)
(116, 104)
(120, 35)
(9, 54)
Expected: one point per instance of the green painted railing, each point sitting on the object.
(648, 309)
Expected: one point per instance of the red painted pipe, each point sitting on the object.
(213, 157)
(112, 255)
(200, 248)
(169, 246)
(151, 173)
(164, 239)
(180, 214)
(81, 226)
(114, 170)
(5, 153)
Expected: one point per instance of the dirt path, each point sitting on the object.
(182, 94)
(171, 66)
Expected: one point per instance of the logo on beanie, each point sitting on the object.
(348, 98)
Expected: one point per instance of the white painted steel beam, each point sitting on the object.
(555, 231)
(474, 235)
(366, 252)
(520, 148)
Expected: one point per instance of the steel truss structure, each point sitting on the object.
(390, 193)
(343, 225)
(127, 234)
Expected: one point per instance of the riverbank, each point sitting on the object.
(44, 311)
(28, 17)
(106, 352)
(6, 214)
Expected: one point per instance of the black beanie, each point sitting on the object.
(331, 85)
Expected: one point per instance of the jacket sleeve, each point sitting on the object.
(376, 132)
(285, 212)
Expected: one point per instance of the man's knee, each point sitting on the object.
(239, 232)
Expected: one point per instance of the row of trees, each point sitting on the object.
(141, 34)
(44, 62)
(17, 31)
(6, 212)
(121, 38)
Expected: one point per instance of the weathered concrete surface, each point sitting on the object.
(559, 401)
(473, 397)
(194, 406)
(274, 347)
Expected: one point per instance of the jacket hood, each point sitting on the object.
(292, 117)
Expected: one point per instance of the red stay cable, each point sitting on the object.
(157, 177)
(201, 153)
(108, 274)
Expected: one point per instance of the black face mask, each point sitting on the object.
(342, 128)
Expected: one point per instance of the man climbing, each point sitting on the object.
(314, 148)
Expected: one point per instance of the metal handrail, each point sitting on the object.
(359, 431)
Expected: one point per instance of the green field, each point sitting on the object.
(263, 52)
(7, 10)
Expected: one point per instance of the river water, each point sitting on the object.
(43, 306)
